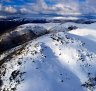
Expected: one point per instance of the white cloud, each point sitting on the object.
(1, 7)
(89, 6)
(10, 9)
(60, 7)
(2, 17)
(25, 10)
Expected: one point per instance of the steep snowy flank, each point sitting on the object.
(20, 35)
(59, 61)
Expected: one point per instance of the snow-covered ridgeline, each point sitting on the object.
(54, 62)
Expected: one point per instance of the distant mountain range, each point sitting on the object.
(14, 21)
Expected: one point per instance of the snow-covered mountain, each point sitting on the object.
(63, 58)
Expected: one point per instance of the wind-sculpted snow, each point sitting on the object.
(59, 61)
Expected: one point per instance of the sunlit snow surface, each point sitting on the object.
(59, 61)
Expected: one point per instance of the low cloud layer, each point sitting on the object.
(60, 7)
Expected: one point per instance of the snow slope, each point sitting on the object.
(86, 33)
(59, 61)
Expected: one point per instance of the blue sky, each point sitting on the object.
(60, 7)
(22, 2)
